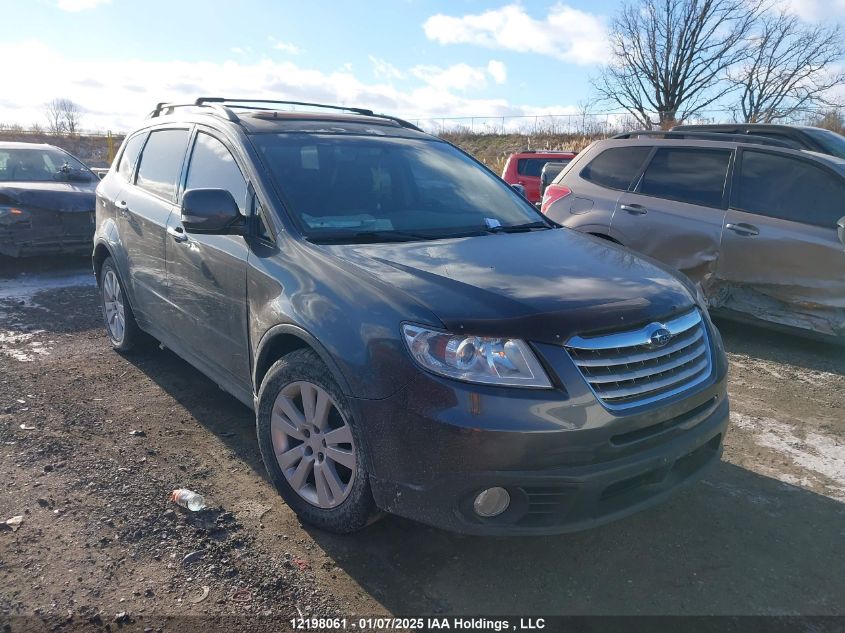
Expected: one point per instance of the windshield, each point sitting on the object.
(352, 187)
(833, 143)
(41, 165)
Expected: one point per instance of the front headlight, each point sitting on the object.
(481, 359)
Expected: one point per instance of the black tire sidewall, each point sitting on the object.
(358, 508)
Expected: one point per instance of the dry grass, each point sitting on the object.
(493, 149)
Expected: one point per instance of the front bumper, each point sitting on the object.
(48, 233)
(567, 462)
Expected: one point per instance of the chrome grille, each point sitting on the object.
(635, 367)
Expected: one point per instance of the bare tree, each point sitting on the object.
(72, 116)
(55, 117)
(790, 69)
(669, 58)
(63, 115)
(831, 119)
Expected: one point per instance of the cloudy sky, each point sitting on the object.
(414, 58)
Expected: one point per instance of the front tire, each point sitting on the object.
(121, 327)
(311, 445)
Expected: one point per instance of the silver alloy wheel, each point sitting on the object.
(313, 444)
(113, 304)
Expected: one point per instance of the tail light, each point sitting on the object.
(553, 194)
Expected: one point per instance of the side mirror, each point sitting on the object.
(840, 227)
(520, 189)
(210, 211)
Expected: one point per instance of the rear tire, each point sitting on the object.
(121, 327)
(311, 445)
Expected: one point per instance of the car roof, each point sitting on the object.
(836, 163)
(254, 116)
(25, 145)
(276, 122)
(745, 126)
(542, 153)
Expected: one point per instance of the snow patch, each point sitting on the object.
(22, 347)
(24, 287)
(819, 454)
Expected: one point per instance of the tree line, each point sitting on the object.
(672, 59)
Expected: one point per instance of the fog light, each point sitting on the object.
(491, 502)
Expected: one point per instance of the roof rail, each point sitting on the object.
(224, 106)
(707, 136)
(164, 107)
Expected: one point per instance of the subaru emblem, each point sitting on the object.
(660, 336)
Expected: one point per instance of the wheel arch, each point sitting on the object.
(101, 253)
(283, 339)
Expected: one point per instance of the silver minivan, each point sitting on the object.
(758, 227)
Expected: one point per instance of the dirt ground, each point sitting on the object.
(92, 442)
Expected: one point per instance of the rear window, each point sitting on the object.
(833, 143)
(616, 167)
(531, 166)
(790, 189)
(161, 162)
(694, 176)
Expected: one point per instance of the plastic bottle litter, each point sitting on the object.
(188, 499)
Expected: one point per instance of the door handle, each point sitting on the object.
(741, 228)
(634, 209)
(177, 233)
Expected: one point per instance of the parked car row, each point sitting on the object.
(755, 222)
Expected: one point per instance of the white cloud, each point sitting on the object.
(237, 50)
(79, 5)
(134, 86)
(814, 10)
(498, 71)
(457, 77)
(565, 33)
(383, 69)
(287, 47)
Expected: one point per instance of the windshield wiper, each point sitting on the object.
(518, 228)
(363, 237)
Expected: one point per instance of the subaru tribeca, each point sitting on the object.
(413, 336)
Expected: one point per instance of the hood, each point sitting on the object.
(65, 197)
(543, 286)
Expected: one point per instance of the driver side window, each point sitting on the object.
(213, 167)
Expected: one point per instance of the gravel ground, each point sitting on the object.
(92, 442)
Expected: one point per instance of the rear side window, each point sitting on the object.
(530, 166)
(694, 176)
(213, 167)
(790, 189)
(161, 162)
(617, 167)
(130, 155)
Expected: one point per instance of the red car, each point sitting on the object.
(523, 168)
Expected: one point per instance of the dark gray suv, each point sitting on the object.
(413, 336)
